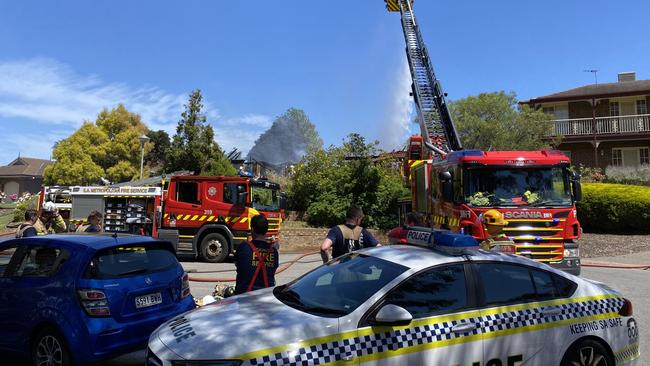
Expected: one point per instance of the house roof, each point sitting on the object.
(619, 89)
(25, 167)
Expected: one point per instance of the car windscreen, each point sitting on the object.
(339, 287)
(130, 260)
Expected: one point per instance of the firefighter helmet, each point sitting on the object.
(49, 206)
(493, 217)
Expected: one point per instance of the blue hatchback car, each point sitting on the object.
(76, 299)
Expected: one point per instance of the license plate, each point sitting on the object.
(148, 300)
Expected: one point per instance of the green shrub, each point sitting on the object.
(25, 202)
(614, 208)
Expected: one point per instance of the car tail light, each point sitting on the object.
(94, 302)
(185, 289)
(626, 309)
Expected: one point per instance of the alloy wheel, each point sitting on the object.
(49, 352)
(589, 356)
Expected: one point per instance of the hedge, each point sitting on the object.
(614, 208)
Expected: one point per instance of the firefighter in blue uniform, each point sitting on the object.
(256, 260)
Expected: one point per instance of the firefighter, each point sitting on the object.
(494, 222)
(348, 237)
(27, 229)
(256, 260)
(49, 221)
(94, 223)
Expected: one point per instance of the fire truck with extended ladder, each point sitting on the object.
(535, 190)
(203, 217)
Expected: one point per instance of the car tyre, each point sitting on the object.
(587, 352)
(49, 349)
(214, 248)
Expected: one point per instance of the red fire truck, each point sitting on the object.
(203, 217)
(535, 190)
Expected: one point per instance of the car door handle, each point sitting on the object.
(463, 327)
(552, 311)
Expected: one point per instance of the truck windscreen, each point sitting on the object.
(530, 186)
(265, 199)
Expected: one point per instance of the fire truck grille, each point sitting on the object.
(274, 224)
(541, 240)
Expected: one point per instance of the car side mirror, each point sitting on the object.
(392, 315)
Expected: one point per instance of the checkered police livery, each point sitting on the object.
(391, 340)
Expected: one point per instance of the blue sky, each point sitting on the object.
(342, 62)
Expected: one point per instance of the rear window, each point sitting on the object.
(131, 260)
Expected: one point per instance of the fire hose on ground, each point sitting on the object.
(616, 265)
(283, 267)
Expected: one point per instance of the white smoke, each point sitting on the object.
(396, 126)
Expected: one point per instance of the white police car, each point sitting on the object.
(411, 305)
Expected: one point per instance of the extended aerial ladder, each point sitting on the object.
(436, 125)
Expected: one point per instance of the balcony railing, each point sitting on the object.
(603, 125)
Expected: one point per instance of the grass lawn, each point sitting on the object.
(8, 205)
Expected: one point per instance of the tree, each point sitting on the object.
(193, 147)
(288, 139)
(326, 182)
(495, 121)
(157, 157)
(109, 147)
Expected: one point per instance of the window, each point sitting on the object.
(5, 257)
(340, 286)
(565, 287)
(506, 283)
(187, 192)
(641, 107)
(235, 193)
(549, 110)
(617, 157)
(544, 285)
(437, 291)
(614, 109)
(126, 261)
(41, 262)
(644, 155)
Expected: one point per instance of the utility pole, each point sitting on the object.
(143, 140)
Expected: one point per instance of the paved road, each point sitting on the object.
(633, 283)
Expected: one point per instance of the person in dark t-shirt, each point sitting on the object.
(348, 237)
(27, 229)
(257, 260)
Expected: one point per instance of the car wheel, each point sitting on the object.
(587, 352)
(214, 248)
(49, 349)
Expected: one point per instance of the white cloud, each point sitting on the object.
(50, 93)
(44, 90)
(396, 125)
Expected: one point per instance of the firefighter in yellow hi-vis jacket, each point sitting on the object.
(49, 221)
(494, 222)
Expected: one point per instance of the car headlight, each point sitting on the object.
(208, 363)
(572, 253)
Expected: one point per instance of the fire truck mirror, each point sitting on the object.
(447, 186)
(577, 190)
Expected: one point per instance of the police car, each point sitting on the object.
(441, 302)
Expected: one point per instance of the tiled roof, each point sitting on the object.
(25, 166)
(638, 87)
